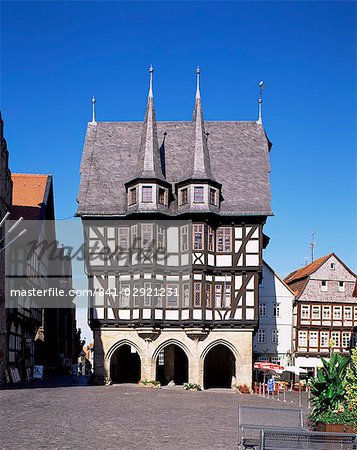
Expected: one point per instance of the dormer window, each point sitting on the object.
(147, 194)
(212, 196)
(184, 196)
(198, 194)
(132, 196)
(162, 195)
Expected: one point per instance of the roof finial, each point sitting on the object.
(198, 71)
(151, 70)
(260, 101)
(93, 110)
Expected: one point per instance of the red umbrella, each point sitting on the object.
(266, 366)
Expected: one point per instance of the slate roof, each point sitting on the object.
(239, 160)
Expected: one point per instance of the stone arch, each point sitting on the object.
(171, 360)
(118, 344)
(124, 366)
(219, 363)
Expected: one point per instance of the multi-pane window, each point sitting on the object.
(198, 237)
(324, 285)
(276, 310)
(227, 296)
(184, 238)
(261, 336)
(123, 238)
(315, 312)
(355, 313)
(198, 192)
(335, 336)
(132, 196)
(302, 338)
(147, 293)
(341, 286)
(337, 314)
(186, 295)
(305, 311)
(197, 294)
(124, 295)
(210, 239)
(172, 295)
(212, 196)
(275, 336)
(262, 309)
(224, 239)
(346, 338)
(184, 196)
(324, 338)
(134, 236)
(326, 312)
(208, 295)
(146, 234)
(158, 294)
(313, 338)
(275, 360)
(147, 194)
(160, 237)
(347, 312)
(162, 195)
(218, 295)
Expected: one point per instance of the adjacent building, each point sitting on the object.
(273, 339)
(325, 311)
(5, 205)
(38, 334)
(176, 211)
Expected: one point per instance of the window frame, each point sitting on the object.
(146, 189)
(133, 199)
(221, 233)
(198, 229)
(183, 196)
(198, 198)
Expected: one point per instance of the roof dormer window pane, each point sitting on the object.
(198, 194)
(184, 196)
(147, 194)
(212, 196)
(132, 196)
(162, 196)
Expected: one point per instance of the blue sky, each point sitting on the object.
(55, 55)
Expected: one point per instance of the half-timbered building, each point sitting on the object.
(325, 311)
(173, 216)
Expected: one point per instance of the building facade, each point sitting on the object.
(325, 311)
(5, 205)
(185, 203)
(38, 333)
(273, 339)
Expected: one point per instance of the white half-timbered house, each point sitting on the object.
(173, 216)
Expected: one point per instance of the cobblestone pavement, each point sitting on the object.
(121, 417)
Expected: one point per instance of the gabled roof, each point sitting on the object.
(239, 157)
(307, 270)
(31, 195)
(277, 276)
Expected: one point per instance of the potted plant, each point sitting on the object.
(149, 383)
(331, 409)
(192, 387)
(243, 389)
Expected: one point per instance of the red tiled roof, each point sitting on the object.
(307, 270)
(28, 195)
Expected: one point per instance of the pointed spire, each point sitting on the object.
(198, 93)
(149, 163)
(93, 110)
(201, 159)
(260, 103)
